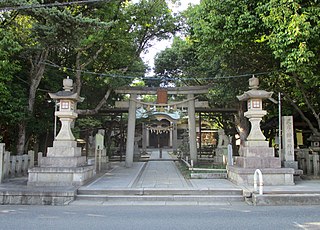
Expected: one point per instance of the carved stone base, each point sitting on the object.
(271, 176)
(63, 166)
(62, 161)
(257, 155)
(64, 149)
(59, 176)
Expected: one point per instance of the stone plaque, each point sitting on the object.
(287, 138)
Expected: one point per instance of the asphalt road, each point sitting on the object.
(239, 216)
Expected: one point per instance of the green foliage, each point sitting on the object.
(150, 20)
(89, 123)
(103, 37)
(235, 38)
(10, 105)
(293, 33)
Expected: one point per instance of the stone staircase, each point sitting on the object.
(161, 196)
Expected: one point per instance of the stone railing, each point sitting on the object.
(308, 161)
(14, 166)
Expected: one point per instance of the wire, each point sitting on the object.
(157, 78)
(49, 5)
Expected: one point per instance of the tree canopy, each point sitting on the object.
(97, 43)
(277, 40)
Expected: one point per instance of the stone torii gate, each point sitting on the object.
(189, 103)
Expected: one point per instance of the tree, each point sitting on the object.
(79, 40)
(10, 105)
(275, 37)
(293, 35)
(150, 20)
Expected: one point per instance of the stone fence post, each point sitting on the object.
(13, 160)
(6, 166)
(11, 166)
(31, 158)
(308, 162)
(40, 156)
(2, 149)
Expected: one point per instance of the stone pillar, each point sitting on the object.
(136, 151)
(131, 130)
(6, 166)
(147, 137)
(192, 128)
(2, 146)
(288, 143)
(31, 158)
(170, 137)
(315, 161)
(175, 136)
(144, 138)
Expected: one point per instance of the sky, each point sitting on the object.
(158, 46)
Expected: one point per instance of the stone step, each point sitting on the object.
(161, 195)
(214, 175)
(160, 191)
(166, 198)
(290, 198)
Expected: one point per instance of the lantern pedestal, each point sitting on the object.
(66, 120)
(255, 153)
(64, 165)
(255, 118)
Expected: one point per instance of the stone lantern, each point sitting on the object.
(255, 153)
(66, 112)
(63, 165)
(255, 111)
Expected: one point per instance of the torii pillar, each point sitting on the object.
(131, 130)
(192, 128)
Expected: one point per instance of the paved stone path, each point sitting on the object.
(118, 177)
(157, 173)
(161, 174)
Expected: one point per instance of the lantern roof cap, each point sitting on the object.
(66, 95)
(254, 92)
(67, 92)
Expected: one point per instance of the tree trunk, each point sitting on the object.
(36, 73)
(102, 102)
(314, 130)
(21, 138)
(309, 105)
(242, 123)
